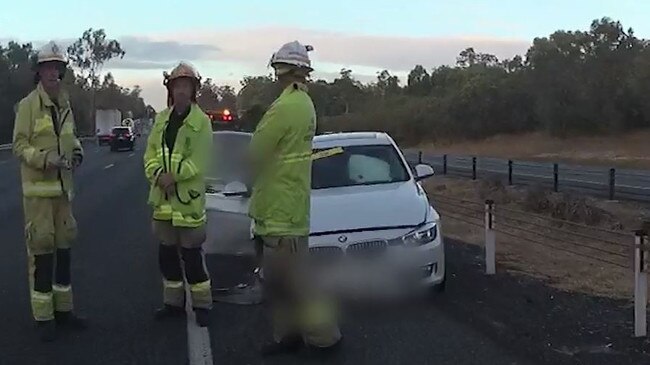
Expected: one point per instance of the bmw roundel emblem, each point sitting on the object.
(342, 239)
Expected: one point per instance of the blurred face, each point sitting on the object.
(182, 91)
(49, 73)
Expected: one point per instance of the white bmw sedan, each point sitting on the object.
(368, 209)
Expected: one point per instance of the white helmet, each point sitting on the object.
(51, 52)
(184, 69)
(292, 54)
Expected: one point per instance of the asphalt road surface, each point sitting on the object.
(117, 286)
(629, 184)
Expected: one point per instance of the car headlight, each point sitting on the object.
(422, 235)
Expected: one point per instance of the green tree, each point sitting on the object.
(208, 96)
(88, 54)
(419, 82)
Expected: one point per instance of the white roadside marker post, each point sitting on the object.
(640, 283)
(490, 238)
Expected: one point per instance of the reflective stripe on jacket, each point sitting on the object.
(188, 162)
(35, 135)
(281, 152)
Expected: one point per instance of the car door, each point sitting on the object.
(228, 226)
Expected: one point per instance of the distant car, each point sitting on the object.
(224, 120)
(122, 138)
(366, 205)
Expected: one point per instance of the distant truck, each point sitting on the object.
(105, 120)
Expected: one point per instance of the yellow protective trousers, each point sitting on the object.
(50, 229)
(297, 308)
(187, 242)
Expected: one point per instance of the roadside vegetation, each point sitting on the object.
(572, 242)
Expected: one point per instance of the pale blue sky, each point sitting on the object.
(382, 17)
(227, 40)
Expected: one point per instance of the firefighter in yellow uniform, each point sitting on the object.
(45, 143)
(175, 161)
(281, 149)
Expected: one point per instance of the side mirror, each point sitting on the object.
(423, 171)
(235, 188)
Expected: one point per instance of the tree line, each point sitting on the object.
(83, 82)
(569, 83)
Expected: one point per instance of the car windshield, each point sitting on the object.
(332, 167)
(120, 131)
(357, 165)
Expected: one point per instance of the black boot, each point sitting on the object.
(46, 330)
(169, 311)
(289, 344)
(70, 320)
(202, 317)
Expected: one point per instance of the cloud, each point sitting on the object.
(143, 53)
(250, 49)
(131, 64)
(226, 55)
(398, 53)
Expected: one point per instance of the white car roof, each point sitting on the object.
(338, 139)
(351, 139)
(231, 133)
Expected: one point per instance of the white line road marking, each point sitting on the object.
(198, 338)
(109, 166)
(131, 155)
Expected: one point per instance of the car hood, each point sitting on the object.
(367, 207)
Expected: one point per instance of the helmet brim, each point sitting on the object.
(51, 59)
(291, 66)
(169, 81)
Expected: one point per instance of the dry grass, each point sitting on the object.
(531, 238)
(627, 150)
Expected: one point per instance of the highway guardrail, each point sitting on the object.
(611, 183)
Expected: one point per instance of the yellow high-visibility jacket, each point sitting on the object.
(281, 149)
(188, 162)
(35, 135)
